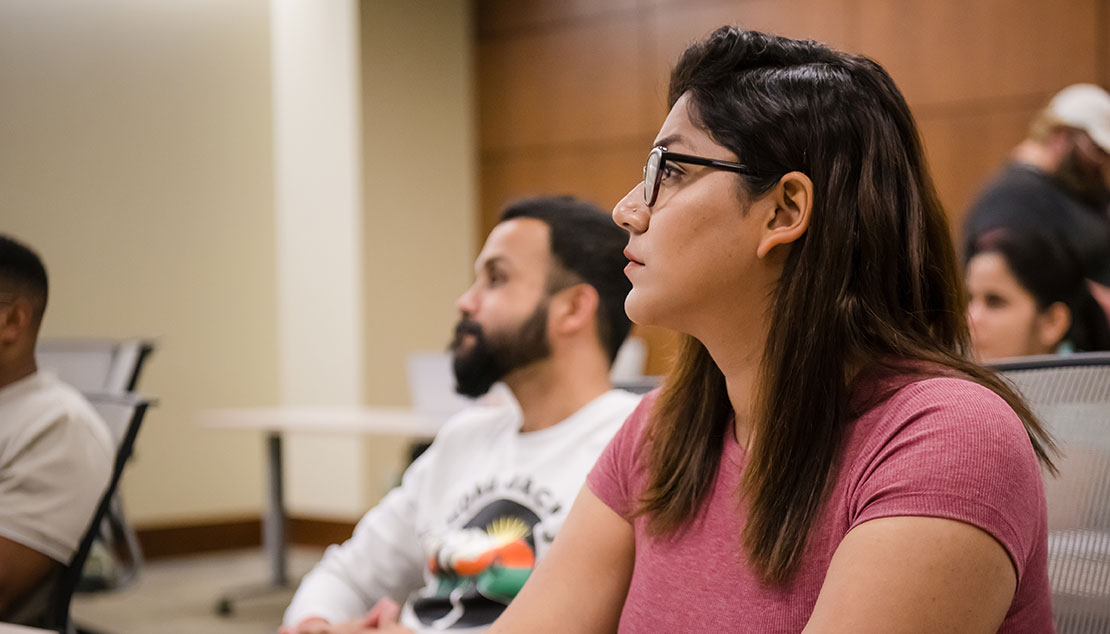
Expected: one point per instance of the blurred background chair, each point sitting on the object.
(432, 383)
(124, 411)
(94, 365)
(1071, 395)
(99, 367)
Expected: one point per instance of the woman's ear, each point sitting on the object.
(792, 198)
(1052, 324)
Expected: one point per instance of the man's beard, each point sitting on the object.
(1082, 181)
(490, 357)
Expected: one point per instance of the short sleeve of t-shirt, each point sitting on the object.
(52, 475)
(615, 475)
(951, 449)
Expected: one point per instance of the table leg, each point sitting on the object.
(273, 529)
(273, 534)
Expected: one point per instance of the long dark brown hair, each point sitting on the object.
(873, 283)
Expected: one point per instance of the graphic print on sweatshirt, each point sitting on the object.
(478, 567)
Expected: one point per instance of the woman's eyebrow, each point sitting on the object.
(669, 140)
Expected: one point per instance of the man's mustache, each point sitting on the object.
(463, 328)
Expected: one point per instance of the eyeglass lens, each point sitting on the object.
(651, 176)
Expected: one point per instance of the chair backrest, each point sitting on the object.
(109, 366)
(1071, 396)
(630, 362)
(114, 407)
(641, 385)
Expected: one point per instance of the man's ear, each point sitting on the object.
(1052, 324)
(573, 309)
(15, 319)
(792, 206)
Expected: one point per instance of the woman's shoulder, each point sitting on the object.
(945, 412)
(635, 428)
(915, 387)
(947, 390)
(950, 395)
(644, 408)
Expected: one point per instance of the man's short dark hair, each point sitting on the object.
(22, 274)
(586, 243)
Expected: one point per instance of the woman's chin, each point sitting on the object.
(641, 310)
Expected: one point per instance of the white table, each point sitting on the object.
(11, 628)
(378, 421)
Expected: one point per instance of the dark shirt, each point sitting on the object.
(1024, 197)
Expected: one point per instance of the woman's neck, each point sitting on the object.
(739, 358)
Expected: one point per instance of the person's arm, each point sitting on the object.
(22, 569)
(580, 585)
(915, 575)
(55, 472)
(947, 511)
(383, 558)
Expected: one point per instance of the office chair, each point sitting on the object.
(1071, 396)
(641, 385)
(95, 365)
(103, 366)
(115, 407)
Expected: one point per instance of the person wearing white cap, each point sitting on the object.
(1058, 183)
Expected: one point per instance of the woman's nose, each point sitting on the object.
(631, 214)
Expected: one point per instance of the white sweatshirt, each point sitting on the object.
(455, 542)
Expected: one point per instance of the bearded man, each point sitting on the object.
(450, 547)
(1058, 183)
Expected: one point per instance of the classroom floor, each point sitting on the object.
(178, 596)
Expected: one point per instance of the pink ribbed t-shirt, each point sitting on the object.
(940, 447)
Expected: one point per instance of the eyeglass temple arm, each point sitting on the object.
(700, 160)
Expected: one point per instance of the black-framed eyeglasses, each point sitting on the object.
(658, 157)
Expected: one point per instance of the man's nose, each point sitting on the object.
(467, 303)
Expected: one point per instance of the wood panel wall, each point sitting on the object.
(571, 92)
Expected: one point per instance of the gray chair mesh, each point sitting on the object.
(1071, 395)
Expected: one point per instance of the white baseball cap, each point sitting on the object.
(1086, 107)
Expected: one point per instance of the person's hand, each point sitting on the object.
(383, 618)
(318, 625)
(1101, 294)
(385, 612)
(392, 628)
(311, 625)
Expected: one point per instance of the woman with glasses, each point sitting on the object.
(823, 457)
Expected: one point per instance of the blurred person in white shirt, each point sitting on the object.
(55, 452)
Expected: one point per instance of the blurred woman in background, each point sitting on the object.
(1027, 295)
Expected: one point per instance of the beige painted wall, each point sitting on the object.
(420, 181)
(135, 155)
(318, 206)
(419, 202)
(419, 191)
